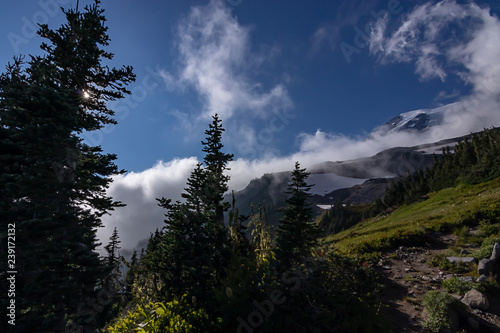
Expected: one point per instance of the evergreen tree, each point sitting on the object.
(113, 248)
(194, 248)
(153, 262)
(53, 184)
(194, 193)
(133, 270)
(473, 160)
(114, 283)
(216, 164)
(113, 262)
(296, 234)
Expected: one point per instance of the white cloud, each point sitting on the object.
(446, 39)
(435, 36)
(216, 60)
(377, 39)
(445, 96)
(480, 55)
(427, 66)
(326, 34)
(138, 190)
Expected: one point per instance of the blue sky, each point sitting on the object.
(294, 80)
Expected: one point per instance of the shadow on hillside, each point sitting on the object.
(393, 300)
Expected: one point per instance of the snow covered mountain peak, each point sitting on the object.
(418, 120)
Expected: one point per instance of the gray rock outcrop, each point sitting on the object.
(485, 267)
(462, 259)
(476, 300)
(495, 254)
(488, 267)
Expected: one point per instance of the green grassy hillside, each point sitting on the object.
(408, 225)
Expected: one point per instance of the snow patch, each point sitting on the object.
(410, 120)
(328, 182)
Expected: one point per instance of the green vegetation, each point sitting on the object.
(463, 205)
(487, 246)
(261, 233)
(452, 267)
(297, 234)
(461, 286)
(343, 216)
(440, 306)
(171, 317)
(458, 286)
(474, 160)
(459, 191)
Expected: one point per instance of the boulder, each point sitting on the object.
(476, 300)
(482, 278)
(495, 254)
(485, 267)
(467, 279)
(448, 277)
(462, 259)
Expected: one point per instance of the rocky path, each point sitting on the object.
(408, 275)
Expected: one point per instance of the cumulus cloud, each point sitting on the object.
(443, 39)
(217, 61)
(138, 191)
(436, 37)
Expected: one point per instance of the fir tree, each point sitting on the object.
(194, 193)
(153, 261)
(183, 256)
(216, 164)
(114, 282)
(52, 184)
(296, 234)
(113, 249)
(194, 248)
(133, 270)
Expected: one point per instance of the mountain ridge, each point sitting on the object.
(369, 178)
(419, 120)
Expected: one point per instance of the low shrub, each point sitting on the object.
(458, 286)
(171, 317)
(487, 229)
(489, 287)
(452, 267)
(439, 307)
(391, 240)
(486, 248)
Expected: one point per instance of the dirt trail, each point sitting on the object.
(408, 275)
